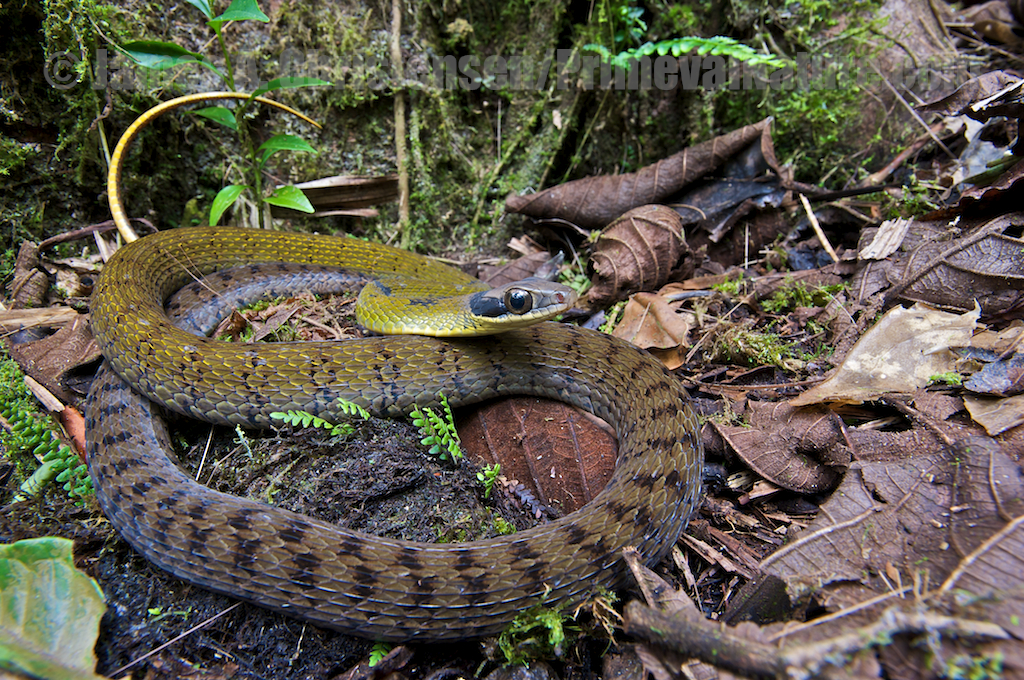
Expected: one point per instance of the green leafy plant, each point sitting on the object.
(51, 614)
(503, 527)
(732, 287)
(32, 432)
(613, 316)
(627, 32)
(160, 56)
(575, 278)
(677, 47)
(379, 651)
(439, 431)
(307, 419)
(488, 476)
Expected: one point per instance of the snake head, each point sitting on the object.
(520, 303)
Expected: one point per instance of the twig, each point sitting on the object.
(167, 644)
(910, 109)
(702, 639)
(817, 229)
(804, 661)
(715, 644)
(917, 145)
(967, 562)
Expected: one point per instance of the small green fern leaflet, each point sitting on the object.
(306, 419)
(439, 431)
(379, 651)
(488, 476)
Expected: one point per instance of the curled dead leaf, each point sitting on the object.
(799, 449)
(30, 283)
(593, 202)
(639, 251)
(653, 322)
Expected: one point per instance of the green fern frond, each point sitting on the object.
(304, 419)
(439, 432)
(720, 45)
(33, 433)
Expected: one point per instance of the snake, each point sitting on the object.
(372, 587)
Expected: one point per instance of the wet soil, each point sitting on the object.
(380, 480)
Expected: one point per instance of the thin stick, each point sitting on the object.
(167, 644)
(817, 229)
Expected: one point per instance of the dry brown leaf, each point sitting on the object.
(900, 353)
(55, 358)
(995, 414)
(886, 240)
(233, 325)
(971, 92)
(798, 449)
(74, 424)
(652, 321)
(942, 267)
(593, 202)
(558, 452)
(934, 516)
(276, 316)
(640, 251)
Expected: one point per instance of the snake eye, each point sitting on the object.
(518, 301)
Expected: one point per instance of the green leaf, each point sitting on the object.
(243, 10)
(285, 83)
(219, 114)
(160, 55)
(283, 143)
(203, 6)
(225, 199)
(49, 611)
(290, 197)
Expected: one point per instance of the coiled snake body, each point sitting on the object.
(369, 586)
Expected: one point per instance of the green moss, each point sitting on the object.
(820, 127)
(537, 633)
(13, 155)
(742, 345)
(795, 294)
(971, 667)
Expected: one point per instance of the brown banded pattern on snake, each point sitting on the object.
(369, 586)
